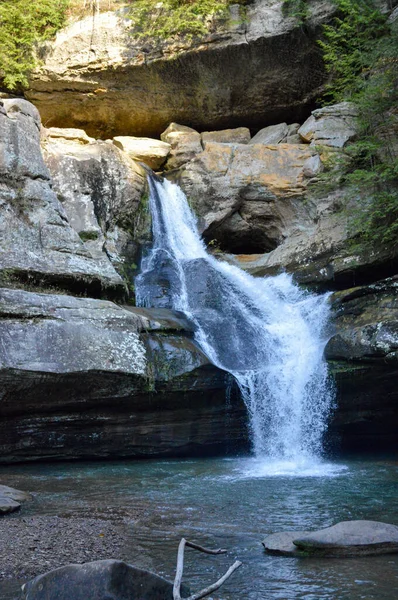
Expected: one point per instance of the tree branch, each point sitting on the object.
(217, 584)
(180, 569)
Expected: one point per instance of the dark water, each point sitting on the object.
(220, 502)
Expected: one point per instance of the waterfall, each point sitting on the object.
(267, 332)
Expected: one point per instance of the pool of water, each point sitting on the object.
(231, 503)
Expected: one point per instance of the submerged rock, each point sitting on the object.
(100, 580)
(348, 538)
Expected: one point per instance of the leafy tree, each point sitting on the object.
(23, 24)
(360, 49)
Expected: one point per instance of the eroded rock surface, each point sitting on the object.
(255, 68)
(248, 196)
(103, 192)
(38, 246)
(86, 378)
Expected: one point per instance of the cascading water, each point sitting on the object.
(265, 331)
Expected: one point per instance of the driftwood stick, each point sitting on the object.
(180, 570)
(217, 584)
(205, 550)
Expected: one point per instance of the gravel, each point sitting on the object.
(33, 545)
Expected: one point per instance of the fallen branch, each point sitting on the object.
(180, 569)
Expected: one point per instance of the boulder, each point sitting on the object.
(11, 499)
(103, 192)
(274, 134)
(86, 378)
(38, 246)
(99, 580)
(72, 135)
(293, 139)
(320, 246)
(332, 126)
(151, 152)
(350, 538)
(102, 77)
(185, 144)
(345, 539)
(240, 135)
(248, 196)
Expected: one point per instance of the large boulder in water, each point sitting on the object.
(348, 538)
(99, 580)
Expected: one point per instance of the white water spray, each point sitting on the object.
(265, 331)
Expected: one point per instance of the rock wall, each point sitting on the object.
(363, 355)
(86, 378)
(257, 67)
(38, 246)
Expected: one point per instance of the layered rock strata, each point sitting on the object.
(85, 378)
(256, 67)
(363, 355)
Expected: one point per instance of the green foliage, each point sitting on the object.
(23, 24)
(298, 9)
(360, 50)
(164, 20)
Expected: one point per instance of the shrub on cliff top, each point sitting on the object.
(164, 20)
(23, 24)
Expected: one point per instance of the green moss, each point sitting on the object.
(87, 236)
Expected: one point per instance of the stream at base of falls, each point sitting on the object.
(230, 503)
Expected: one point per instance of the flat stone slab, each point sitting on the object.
(348, 538)
(11, 499)
(281, 544)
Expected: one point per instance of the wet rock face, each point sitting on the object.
(254, 69)
(363, 357)
(83, 378)
(102, 580)
(38, 246)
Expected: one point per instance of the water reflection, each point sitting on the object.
(218, 503)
